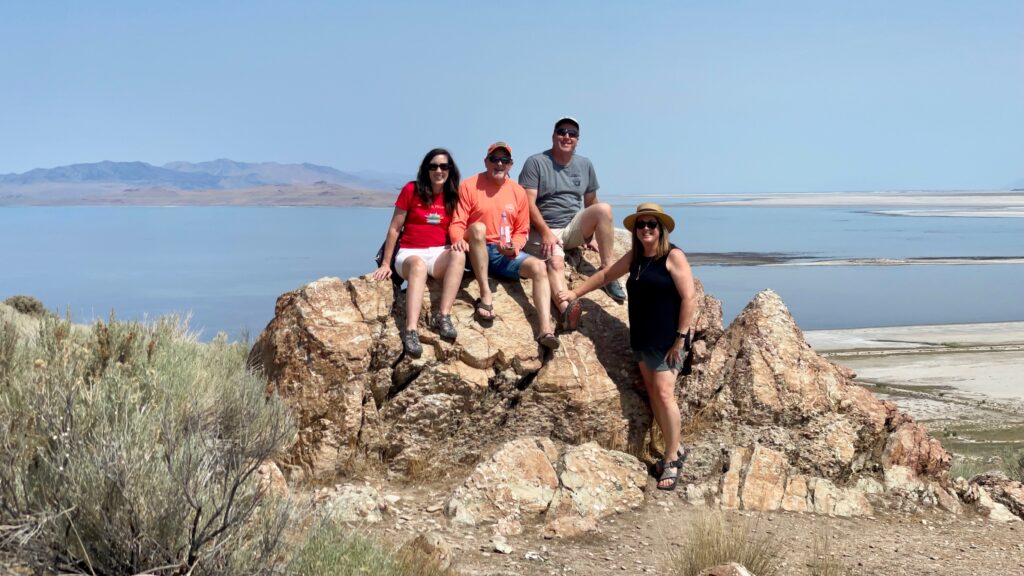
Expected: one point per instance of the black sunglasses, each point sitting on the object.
(567, 132)
(435, 166)
(499, 159)
(650, 224)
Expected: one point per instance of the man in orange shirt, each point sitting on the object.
(492, 222)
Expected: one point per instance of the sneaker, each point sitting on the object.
(614, 289)
(442, 323)
(571, 316)
(411, 341)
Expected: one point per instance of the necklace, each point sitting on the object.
(640, 269)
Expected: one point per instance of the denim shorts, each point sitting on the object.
(655, 360)
(502, 266)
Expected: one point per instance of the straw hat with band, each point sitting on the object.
(650, 209)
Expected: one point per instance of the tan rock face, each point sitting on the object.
(594, 482)
(770, 386)
(518, 480)
(1002, 490)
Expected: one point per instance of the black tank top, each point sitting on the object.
(654, 304)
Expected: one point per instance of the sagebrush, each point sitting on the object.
(133, 448)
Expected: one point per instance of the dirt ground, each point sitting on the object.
(922, 542)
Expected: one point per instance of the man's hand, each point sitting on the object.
(460, 246)
(508, 251)
(592, 245)
(547, 244)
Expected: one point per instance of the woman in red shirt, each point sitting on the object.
(423, 212)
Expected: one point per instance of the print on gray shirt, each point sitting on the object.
(560, 189)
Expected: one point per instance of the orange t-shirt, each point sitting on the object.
(481, 199)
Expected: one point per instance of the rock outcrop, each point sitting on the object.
(769, 424)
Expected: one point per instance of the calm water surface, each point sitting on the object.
(227, 266)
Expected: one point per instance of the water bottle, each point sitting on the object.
(505, 232)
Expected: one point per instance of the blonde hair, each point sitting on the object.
(662, 248)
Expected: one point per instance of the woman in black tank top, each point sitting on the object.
(662, 301)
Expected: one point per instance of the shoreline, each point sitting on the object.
(965, 382)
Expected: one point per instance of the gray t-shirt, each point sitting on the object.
(560, 189)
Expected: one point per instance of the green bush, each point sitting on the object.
(130, 448)
(330, 550)
(711, 541)
(27, 305)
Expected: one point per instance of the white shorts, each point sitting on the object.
(428, 255)
(571, 237)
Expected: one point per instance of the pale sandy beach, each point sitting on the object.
(944, 372)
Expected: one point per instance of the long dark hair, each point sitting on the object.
(451, 186)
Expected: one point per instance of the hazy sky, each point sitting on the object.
(673, 97)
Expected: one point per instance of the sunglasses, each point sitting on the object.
(567, 132)
(649, 224)
(435, 166)
(499, 159)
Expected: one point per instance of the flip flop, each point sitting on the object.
(479, 307)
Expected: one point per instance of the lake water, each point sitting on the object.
(227, 266)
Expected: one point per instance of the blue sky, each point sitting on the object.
(673, 97)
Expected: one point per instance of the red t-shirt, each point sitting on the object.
(425, 226)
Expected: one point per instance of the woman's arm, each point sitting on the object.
(397, 221)
(600, 278)
(682, 276)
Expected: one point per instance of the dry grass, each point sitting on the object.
(824, 562)
(711, 540)
(331, 550)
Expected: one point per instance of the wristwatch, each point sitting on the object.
(682, 335)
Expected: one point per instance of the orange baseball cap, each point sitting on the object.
(499, 144)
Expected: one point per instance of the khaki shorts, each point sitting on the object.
(571, 237)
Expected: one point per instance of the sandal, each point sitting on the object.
(479, 308)
(659, 464)
(670, 473)
(549, 341)
(571, 315)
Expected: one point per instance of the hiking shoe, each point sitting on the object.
(442, 323)
(614, 289)
(571, 315)
(411, 341)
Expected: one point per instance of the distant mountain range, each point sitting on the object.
(220, 174)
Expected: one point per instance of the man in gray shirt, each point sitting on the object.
(565, 214)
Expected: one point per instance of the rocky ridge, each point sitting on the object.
(520, 438)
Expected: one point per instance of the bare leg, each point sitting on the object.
(661, 391)
(448, 268)
(597, 222)
(556, 279)
(415, 271)
(477, 233)
(536, 270)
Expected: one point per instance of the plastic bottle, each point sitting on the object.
(505, 232)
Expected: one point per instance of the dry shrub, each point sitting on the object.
(27, 305)
(129, 448)
(331, 550)
(712, 541)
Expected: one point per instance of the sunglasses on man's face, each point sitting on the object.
(649, 224)
(499, 159)
(567, 132)
(442, 166)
